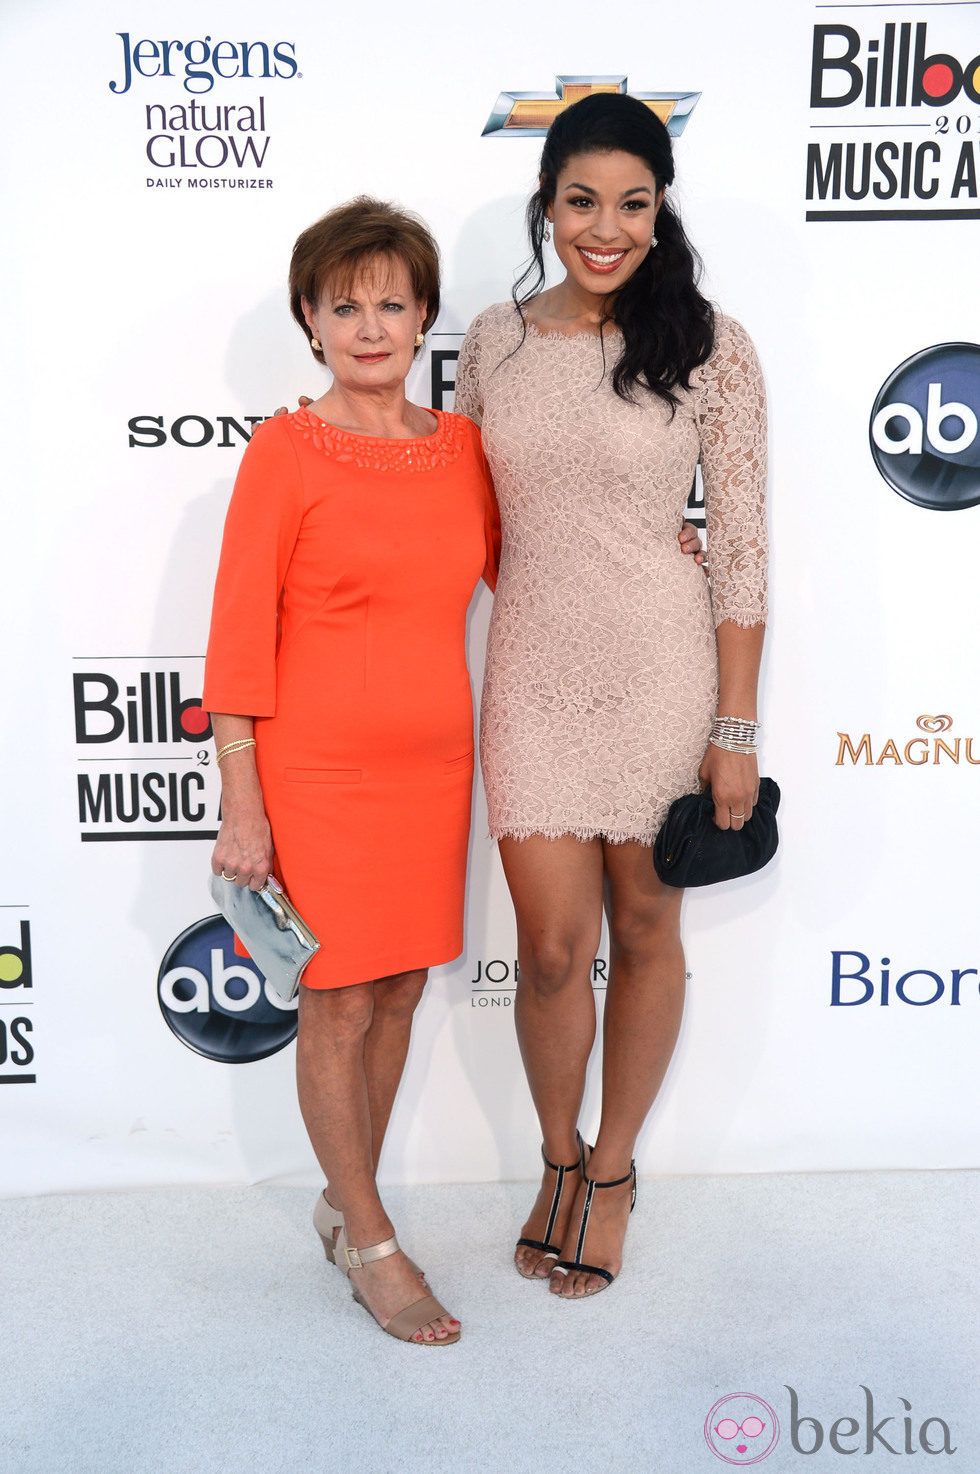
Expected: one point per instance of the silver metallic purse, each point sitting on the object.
(276, 937)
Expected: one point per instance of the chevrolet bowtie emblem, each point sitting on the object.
(530, 114)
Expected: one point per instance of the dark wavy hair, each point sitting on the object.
(667, 325)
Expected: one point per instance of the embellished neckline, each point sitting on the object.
(378, 453)
(555, 333)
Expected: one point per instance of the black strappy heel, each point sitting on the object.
(564, 1265)
(548, 1249)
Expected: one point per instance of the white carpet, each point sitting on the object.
(186, 1331)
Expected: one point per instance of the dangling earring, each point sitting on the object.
(653, 243)
(547, 233)
(419, 340)
(316, 345)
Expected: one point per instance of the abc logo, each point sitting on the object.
(218, 1003)
(925, 437)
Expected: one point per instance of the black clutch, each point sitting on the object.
(691, 850)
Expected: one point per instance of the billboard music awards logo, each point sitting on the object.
(531, 114)
(894, 113)
(925, 428)
(145, 770)
(16, 998)
(194, 136)
(218, 1003)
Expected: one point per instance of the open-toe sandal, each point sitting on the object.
(564, 1266)
(548, 1249)
(405, 1324)
(324, 1216)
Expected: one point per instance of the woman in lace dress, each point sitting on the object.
(609, 659)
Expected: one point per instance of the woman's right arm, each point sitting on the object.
(240, 674)
(244, 849)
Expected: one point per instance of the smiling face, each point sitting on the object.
(368, 331)
(603, 216)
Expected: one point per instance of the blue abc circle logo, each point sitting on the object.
(218, 1003)
(925, 434)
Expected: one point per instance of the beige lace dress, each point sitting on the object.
(601, 676)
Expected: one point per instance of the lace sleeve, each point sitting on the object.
(732, 419)
(469, 393)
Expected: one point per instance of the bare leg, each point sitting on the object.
(385, 1052)
(644, 1003)
(335, 1101)
(556, 887)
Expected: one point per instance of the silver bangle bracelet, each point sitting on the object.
(735, 734)
(729, 746)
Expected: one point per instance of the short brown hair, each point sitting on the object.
(346, 240)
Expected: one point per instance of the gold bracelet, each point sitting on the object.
(238, 746)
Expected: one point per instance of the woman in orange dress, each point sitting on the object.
(357, 531)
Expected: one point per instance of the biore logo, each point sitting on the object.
(923, 161)
(853, 981)
(204, 62)
(144, 769)
(742, 1429)
(924, 428)
(218, 1003)
(16, 1027)
(531, 114)
(895, 70)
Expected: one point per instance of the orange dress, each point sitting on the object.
(347, 567)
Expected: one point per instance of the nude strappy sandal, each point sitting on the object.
(324, 1214)
(548, 1249)
(323, 1221)
(564, 1265)
(405, 1324)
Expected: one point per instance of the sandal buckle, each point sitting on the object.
(353, 1257)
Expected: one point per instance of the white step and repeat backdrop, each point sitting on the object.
(161, 160)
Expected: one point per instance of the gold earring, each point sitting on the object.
(419, 340)
(316, 345)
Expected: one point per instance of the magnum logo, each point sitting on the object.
(531, 114)
(933, 749)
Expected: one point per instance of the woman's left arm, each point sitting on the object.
(734, 469)
(734, 776)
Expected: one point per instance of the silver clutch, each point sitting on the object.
(277, 938)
